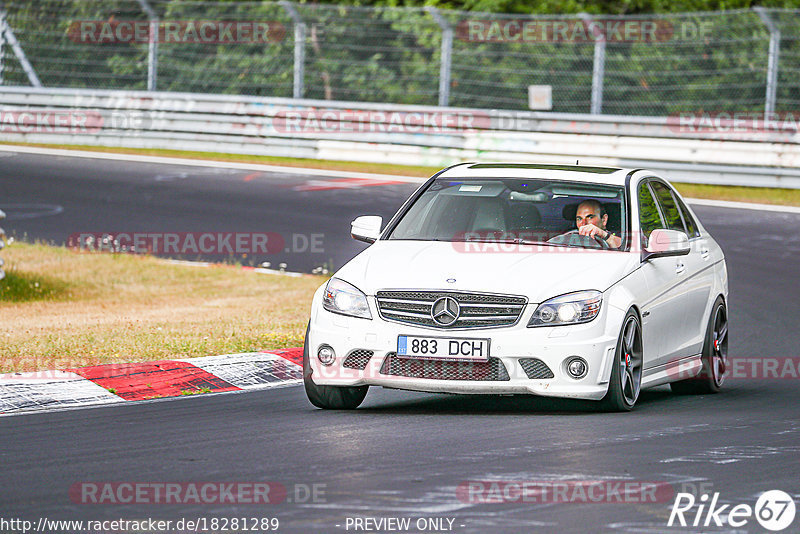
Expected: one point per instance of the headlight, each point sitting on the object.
(572, 308)
(344, 298)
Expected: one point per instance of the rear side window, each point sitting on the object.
(649, 218)
(691, 225)
(669, 209)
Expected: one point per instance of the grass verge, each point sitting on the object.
(96, 308)
(762, 195)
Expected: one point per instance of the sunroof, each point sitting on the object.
(574, 168)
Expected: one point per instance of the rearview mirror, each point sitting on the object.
(366, 228)
(664, 242)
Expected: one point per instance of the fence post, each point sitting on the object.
(8, 36)
(152, 49)
(2, 46)
(299, 49)
(446, 55)
(599, 64)
(772, 59)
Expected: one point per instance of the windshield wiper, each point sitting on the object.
(514, 241)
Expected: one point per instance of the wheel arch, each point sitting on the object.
(623, 300)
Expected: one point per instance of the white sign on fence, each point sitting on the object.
(540, 97)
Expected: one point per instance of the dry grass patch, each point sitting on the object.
(99, 308)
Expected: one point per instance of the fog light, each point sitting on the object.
(325, 355)
(577, 367)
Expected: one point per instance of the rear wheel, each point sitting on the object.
(714, 357)
(329, 397)
(626, 373)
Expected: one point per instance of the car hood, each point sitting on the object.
(536, 272)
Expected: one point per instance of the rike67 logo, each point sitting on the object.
(774, 511)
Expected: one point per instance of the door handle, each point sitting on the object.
(705, 254)
(680, 268)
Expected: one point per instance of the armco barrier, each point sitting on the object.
(388, 133)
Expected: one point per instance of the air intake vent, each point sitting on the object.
(473, 310)
(358, 359)
(536, 368)
(491, 370)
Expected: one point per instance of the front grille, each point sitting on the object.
(477, 310)
(535, 368)
(358, 359)
(491, 370)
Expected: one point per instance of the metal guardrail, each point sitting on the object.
(402, 134)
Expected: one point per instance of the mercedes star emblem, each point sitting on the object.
(445, 311)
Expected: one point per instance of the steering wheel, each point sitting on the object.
(574, 238)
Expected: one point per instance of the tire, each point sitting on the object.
(626, 372)
(714, 356)
(329, 397)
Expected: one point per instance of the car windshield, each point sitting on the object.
(510, 210)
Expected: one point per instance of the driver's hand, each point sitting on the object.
(592, 231)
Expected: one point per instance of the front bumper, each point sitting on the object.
(510, 347)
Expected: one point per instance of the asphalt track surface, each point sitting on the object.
(402, 454)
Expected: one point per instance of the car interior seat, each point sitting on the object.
(489, 216)
(523, 216)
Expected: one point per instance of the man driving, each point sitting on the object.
(591, 219)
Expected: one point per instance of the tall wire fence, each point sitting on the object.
(743, 60)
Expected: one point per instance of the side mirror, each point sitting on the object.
(366, 228)
(664, 243)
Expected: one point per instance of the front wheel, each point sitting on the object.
(626, 373)
(329, 397)
(714, 357)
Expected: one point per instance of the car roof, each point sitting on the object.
(576, 173)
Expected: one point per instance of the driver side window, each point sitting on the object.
(649, 218)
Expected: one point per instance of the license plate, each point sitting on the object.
(443, 348)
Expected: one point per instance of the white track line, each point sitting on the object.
(742, 205)
(205, 163)
(259, 270)
(317, 172)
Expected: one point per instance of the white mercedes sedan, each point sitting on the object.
(502, 278)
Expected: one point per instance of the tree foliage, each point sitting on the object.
(381, 53)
